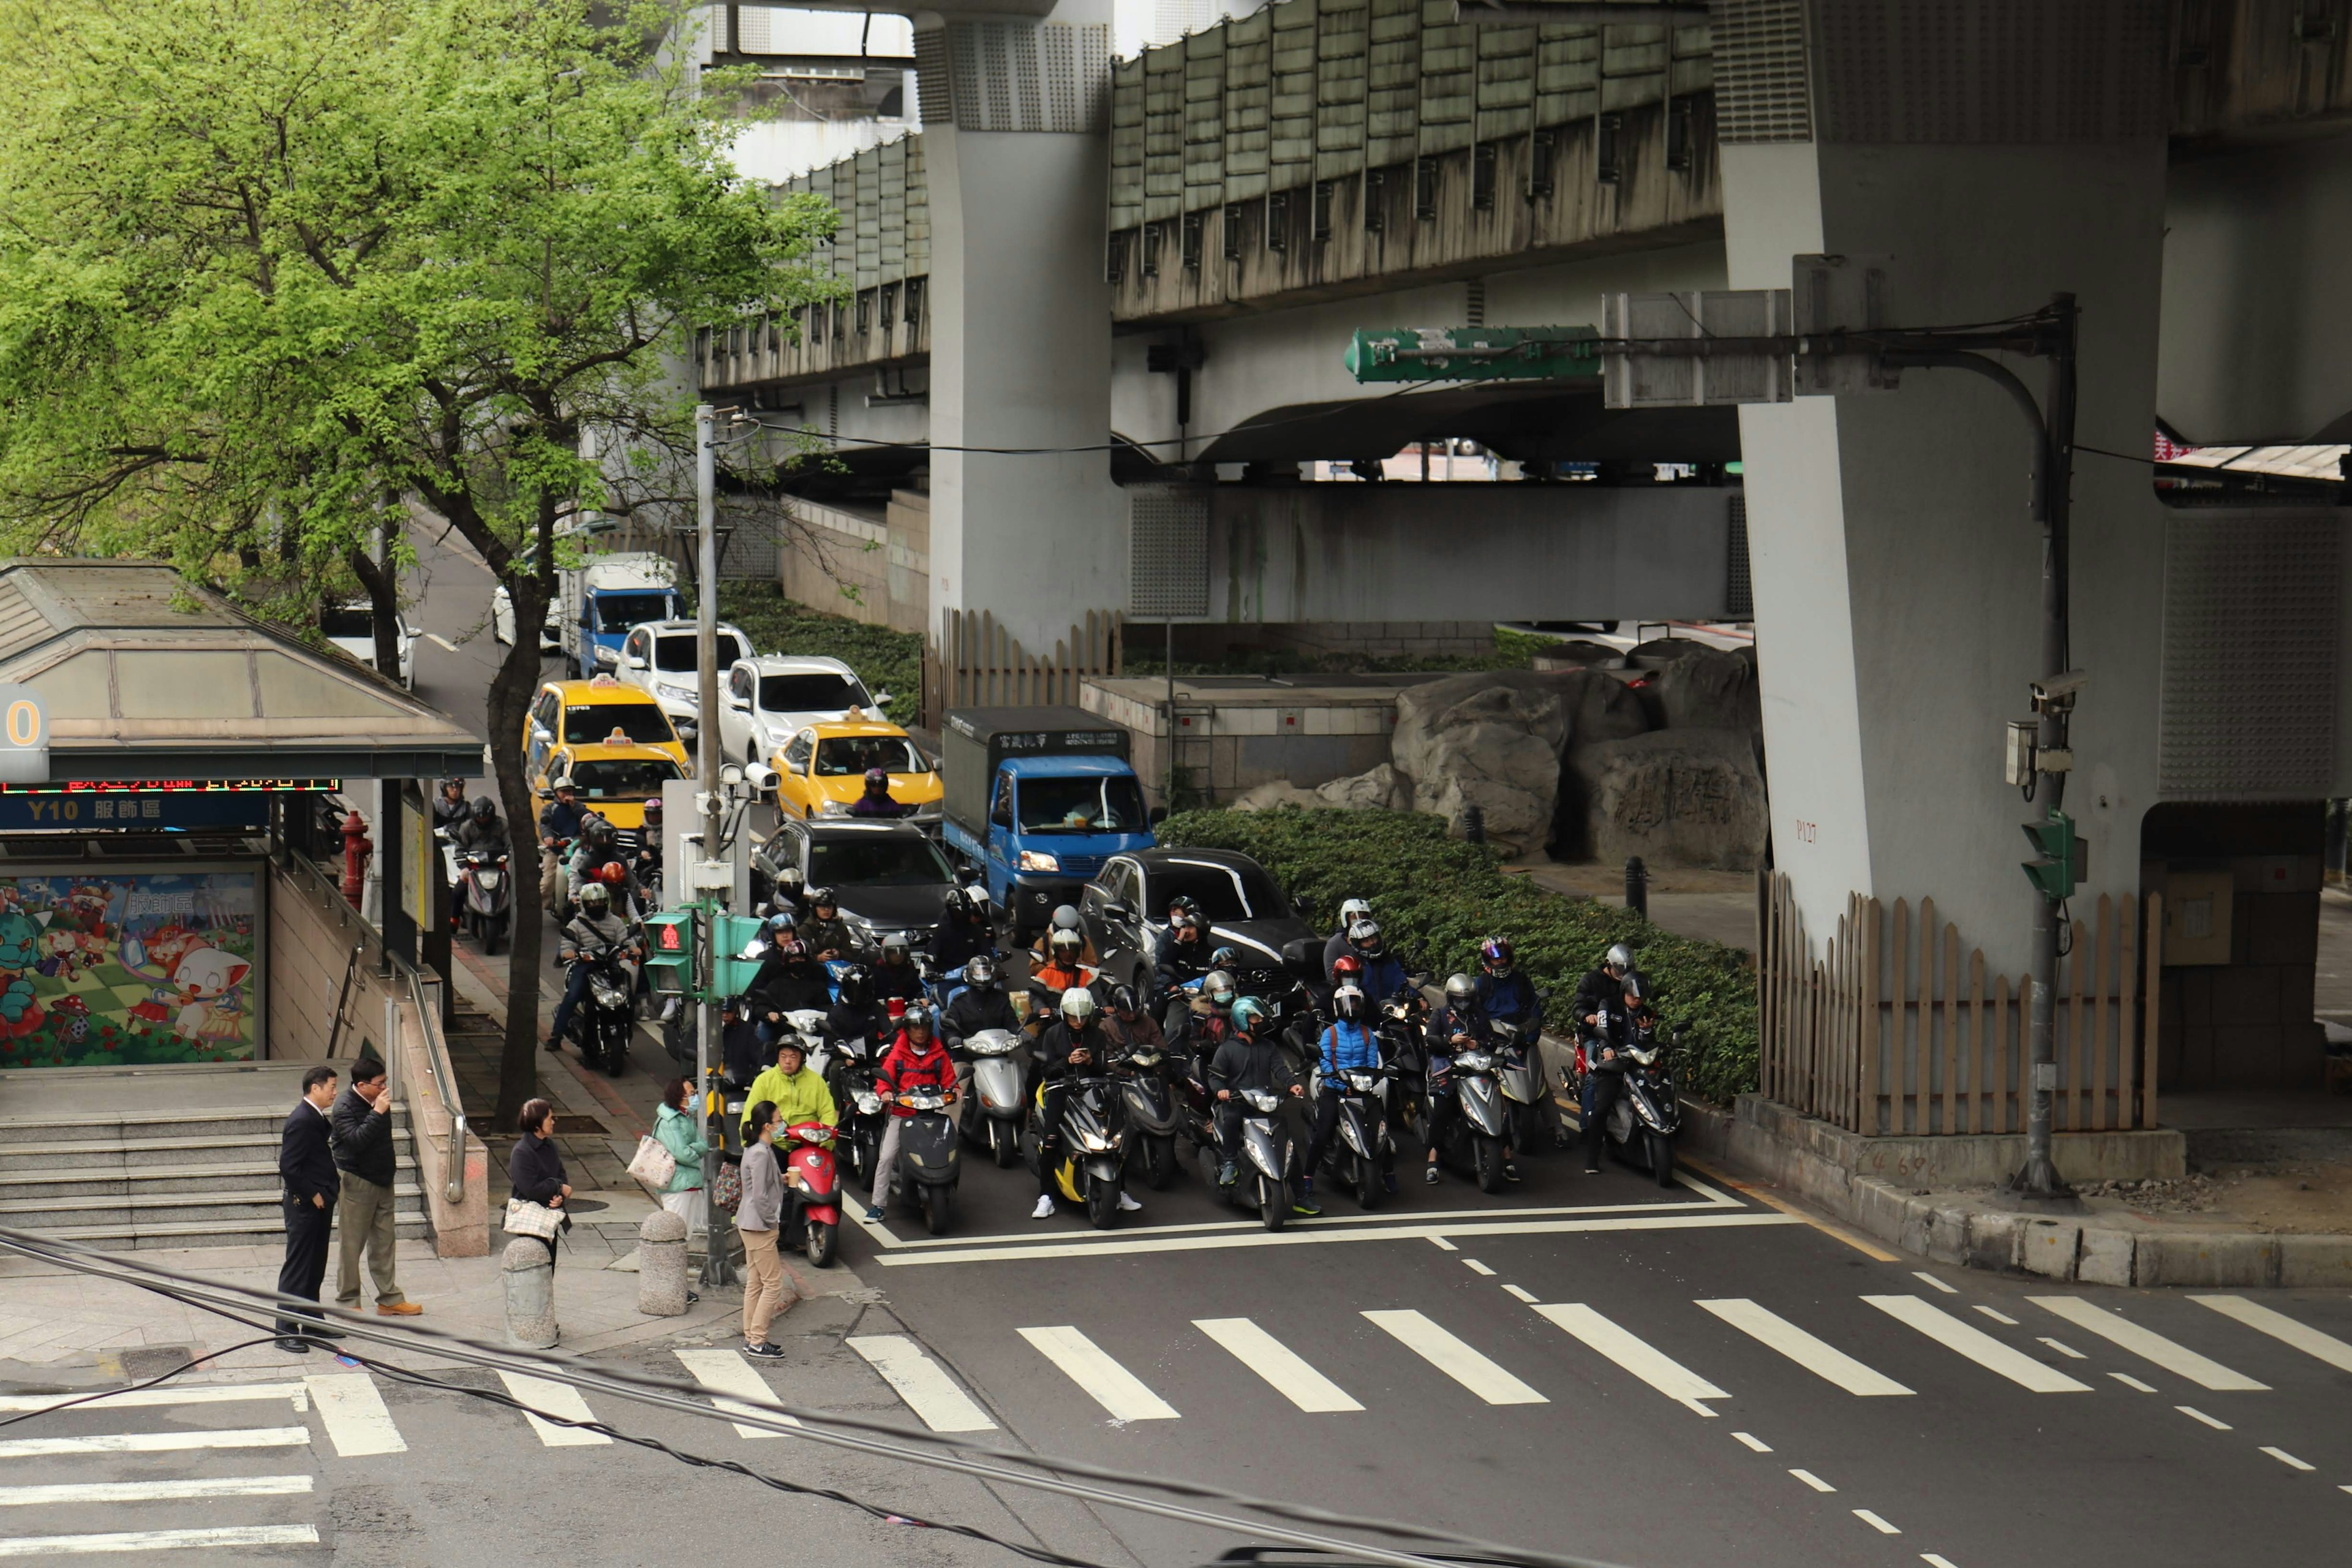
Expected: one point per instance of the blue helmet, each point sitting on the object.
(1248, 1014)
(781, 921)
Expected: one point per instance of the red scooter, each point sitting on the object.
(815, 1190)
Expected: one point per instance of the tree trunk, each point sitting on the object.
(383, 600)
(510, 696)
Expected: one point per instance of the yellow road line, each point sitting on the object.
(1773, 1200)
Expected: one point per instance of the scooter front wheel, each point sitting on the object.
(1662, 1158)
(1159, 1161)
(1368, 1188)
(1273, 1202)
(1005, 1145)
(1102, 1205)
(939, 1205)
(1489, 1158)
(818, 1244)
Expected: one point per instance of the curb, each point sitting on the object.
(1955, 1229)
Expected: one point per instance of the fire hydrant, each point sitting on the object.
(356, 851)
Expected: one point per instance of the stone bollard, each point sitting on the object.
(528, 1272)
(661, 1265)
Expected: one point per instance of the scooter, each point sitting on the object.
(1152, 1116)
(1401, 1047)
(607, 1013)
(1518, 1070)
(1263, 1160)
(1478, 1131)
(997, 1103)
(1364, 1153)
(860, 1103)
(1093, 1158)
(814, 1219)
(1649, 1113)
(485, 897)
(928, 1158)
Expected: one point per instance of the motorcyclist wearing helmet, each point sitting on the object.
(1628, 1022)
(1130, 1024)
(858, 1013)
(1347, 1043)
(876, 801)
(594, 929)
(824, 930)
(1351, 911)
(600, 845)
(980, 1004)
(786, 982)
(914, 1060)
(963, 933)
(1599, 992)
(483, 832)
(648, 863)
(1074, 1045)
(789, 893)
(1249, 1058)
(1066, 919)
(1183, 957)
(1383, 975)
(1198, 1021)
(1505, 995)
(1062, 971)
(896, 974)
(559, 825)
(450, 807)
(1457, 1027)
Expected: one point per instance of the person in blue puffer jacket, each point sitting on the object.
(1347, 1043)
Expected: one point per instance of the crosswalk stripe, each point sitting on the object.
(198, 1394)
(153, 1491)
(1454, 1359)
(2148, 1344)
(2283, 1329)
(923, 1384)
(160, 1540)
(354, 1415)
(157, 1442)
(1976, 1345)
(1281, 1366)
(1651, 1366)
(1816, 1355)
(560, 1400)
(1104, 1381)
(725, 1372)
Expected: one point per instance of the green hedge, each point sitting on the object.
(1438, 897)
(883, 659)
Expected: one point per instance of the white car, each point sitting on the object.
(351, 628)
(658, 658)
(764, 701)
(550, 631)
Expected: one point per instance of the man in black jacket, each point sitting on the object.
(1249, 1058)
(306, 1166)
(361, 1123)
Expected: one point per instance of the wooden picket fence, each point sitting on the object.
(1892, 1029)
(979, 664)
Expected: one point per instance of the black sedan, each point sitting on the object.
(1126, 908)
(889, 875)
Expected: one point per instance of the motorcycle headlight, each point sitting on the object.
(992, 1043)
(610, 996)
(489, 879)
(869, 1103)
(1362, 1082)
(1039, 860)
(1096, 1143)
(833, 808)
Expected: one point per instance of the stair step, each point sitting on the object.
(134, 1125)
(42, 1214)
(217, 1177)
(120, 1237)
(209, 1144)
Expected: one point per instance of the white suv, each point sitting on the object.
(765, 701)
(658, 658)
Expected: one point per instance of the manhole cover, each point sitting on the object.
(568, 1123)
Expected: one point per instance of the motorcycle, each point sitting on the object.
(1649, 1113)
(814, 1191)
(1263, 1161)
(1401, 1048)
(1153, 1115)
(1092, 1161)
(850, 1073)
(1478, 1131)
(485, 897)
(994, 1110)
(607, 1013)
(928, 1158)
(1364, 1153)
(1518, 1058)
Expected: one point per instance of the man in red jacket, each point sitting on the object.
(915, 1060)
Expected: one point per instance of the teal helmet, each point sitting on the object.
(1248, 1014)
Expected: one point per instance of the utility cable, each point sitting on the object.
(135, 1388)
(236, 1303)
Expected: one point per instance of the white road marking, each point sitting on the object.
(1522, 1292)
(557, 1399)
(2148, 1344)
(156, 1442)
(1875, 1522)
(1103, 1380)
(1645, 1361)
(926, 1387)
(2196, 1414)
(2069, 1352)
(1922, 1275)
(2289, 1460)
(355, 1416)
(1998, 1316)
(1814, 1480)
(153, 1491)
(2129, 1380)
(161, 1540)
(1976, 1345)
(192, 1394)
(1815, 1356)
(1117, 1245)
(1457, 1361)
(1755, 1444)
(1277, 1363)
(2283, 1329)
(1475, 1267)
(1936, 1560)
(447, 644)
(725, 1372)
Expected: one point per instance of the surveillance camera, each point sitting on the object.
(2060, 686)
(760, 778)
(731, 774)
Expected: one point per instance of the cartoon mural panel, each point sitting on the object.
(102, 969)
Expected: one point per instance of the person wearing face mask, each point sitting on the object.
(1074, 1045)
(824, 931)
(895, 975)
(1246, 1060)
(915, 1060)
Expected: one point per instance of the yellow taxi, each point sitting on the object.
(821, 772)
(613, 740)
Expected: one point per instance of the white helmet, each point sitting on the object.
(1621, 957)
(1354, 910)
(1066, 942)
(1066, 917)
(1077, 1006)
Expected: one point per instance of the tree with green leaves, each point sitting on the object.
(275, 273)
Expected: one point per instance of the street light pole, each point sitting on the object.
(706, 600)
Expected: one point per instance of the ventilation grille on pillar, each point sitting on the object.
(1168, 552)
(931, 95)
(2251, 625)
(1015, 76)
(1739, 593)
(1760, 71)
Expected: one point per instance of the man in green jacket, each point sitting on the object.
(799, 1094)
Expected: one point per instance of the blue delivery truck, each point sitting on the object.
(1038, 798)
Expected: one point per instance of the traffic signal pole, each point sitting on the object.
(706, 1022)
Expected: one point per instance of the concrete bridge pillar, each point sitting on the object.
(1895, 561)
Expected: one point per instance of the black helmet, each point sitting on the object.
(980, 973)
(857, 986)
(1122, 1000)
(822, 898)
(1184, 904)
(596, 830)
(485, 809)
(877, 778)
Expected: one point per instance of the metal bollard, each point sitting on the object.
(1637, 886)
(661, 1265)
(1474, 823)
(528, 1269)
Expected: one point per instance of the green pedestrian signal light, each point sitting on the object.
(2062, 860)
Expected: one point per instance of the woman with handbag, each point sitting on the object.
(535, 1169)
(675, 1131)
(757, 1216)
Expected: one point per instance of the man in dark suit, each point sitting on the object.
(306, 1166)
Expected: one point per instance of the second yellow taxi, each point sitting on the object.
(821, 772)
